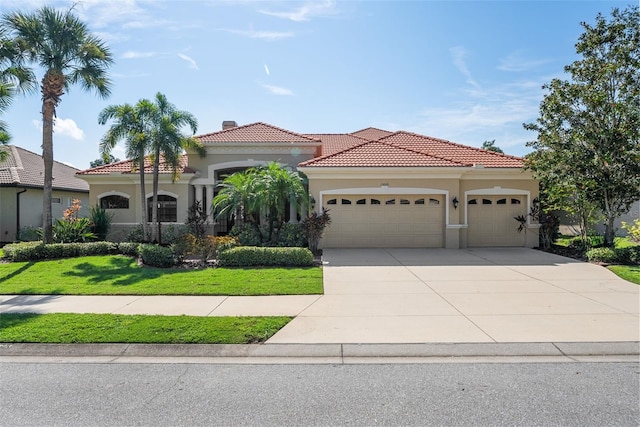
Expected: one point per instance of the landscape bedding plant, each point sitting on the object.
(121, 275)
(67, 328)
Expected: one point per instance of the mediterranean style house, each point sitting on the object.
(21, 183)
(382, 188)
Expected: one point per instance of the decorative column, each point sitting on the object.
(198, 188)
(209, 207)
(293, 213)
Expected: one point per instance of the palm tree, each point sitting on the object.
(14, 78)
(60, 44)
(239, 199)
(132, 126)
(168, 142)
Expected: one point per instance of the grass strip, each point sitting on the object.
(66, 328)
(121, 275)
(630, 273)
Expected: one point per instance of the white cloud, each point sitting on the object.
(263, 35)
(136, 55)
(277, 90)
(459, 54)
(266, 70)
(305, 12)
(64, 127)
(518, 61)
(192, 63)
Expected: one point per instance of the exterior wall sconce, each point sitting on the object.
(455, 202)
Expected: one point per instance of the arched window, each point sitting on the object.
(361, 202)
(167, 208)
(346, 201)
(331, 202)
(114, 201)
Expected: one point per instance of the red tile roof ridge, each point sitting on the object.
(370, 128)
(452, 143)
(254, 124)
(97, 168)
(388, 144)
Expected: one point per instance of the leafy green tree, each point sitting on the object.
(588, 128)
(130, 125)
(167, 141)
(101, 161)
(62, 46)
(14, 78)
(491, 146)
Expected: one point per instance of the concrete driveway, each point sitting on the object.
(471, 295)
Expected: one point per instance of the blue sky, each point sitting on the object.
(466, 71)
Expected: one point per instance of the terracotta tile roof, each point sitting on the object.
(334, 142)
(26, 169)
(379, 154)
(127, 166)
(371, 134)
(254, 133)
(455, 152)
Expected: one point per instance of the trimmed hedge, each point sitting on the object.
(247, 256)
(607, 255)
(33, 251)
(157, 256)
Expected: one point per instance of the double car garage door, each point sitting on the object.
(365, 221)
(361, 221)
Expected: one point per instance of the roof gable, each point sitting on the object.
(255, 133)
(128, 167)
(371, 134)
(26, 169)
(379, 154)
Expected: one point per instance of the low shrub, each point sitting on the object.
(633, 229)
(222, 243)
(129, 248)
(629, 255)
(33, 251)
(247, 234)
(157, 256)
(246, 256)
(292, 236)
(606, 255)
(136, 234)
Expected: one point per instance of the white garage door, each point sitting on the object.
(491, 220)
(366, 221)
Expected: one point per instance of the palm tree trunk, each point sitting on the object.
(143, 198)
(155, 232)
(48, 109)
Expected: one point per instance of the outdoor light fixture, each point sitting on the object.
(455, 202)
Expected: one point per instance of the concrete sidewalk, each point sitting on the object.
(405, 296)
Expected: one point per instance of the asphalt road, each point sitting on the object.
(568, 394)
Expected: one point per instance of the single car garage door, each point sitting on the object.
(366, 221)
(491, 220)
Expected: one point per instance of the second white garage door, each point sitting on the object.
(491, 220)
(366, 221)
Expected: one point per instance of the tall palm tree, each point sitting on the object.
(238, 199)
(132, 126)
(14, 78)
(168, 141)
(61, 45)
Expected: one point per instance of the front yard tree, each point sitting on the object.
(589, 126)
(62, 46)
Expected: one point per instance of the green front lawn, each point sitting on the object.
(115, 328)
(630, 273)
(120, 275)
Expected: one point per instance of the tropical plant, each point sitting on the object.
(14, 79)
(100, 221)
(72, 228)
(62, 46)
(130, 125)
(167, 142)
(314, 225)
(588, 126)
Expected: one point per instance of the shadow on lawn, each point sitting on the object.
(123, 271)
(10, 320)
(18, 271)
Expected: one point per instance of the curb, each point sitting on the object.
(337, 352)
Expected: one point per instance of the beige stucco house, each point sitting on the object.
(21, 183)
(383, 189)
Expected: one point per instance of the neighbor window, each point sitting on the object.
(114, 202)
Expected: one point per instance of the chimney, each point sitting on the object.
(228, 124)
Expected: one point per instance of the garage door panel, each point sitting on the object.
(404, 223)
(491, 220)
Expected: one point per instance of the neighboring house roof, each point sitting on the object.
(414, 150)
(22, 168)
(380, 154)
(335, 142)
(254, 133)
(371, 134)
(127, 166)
